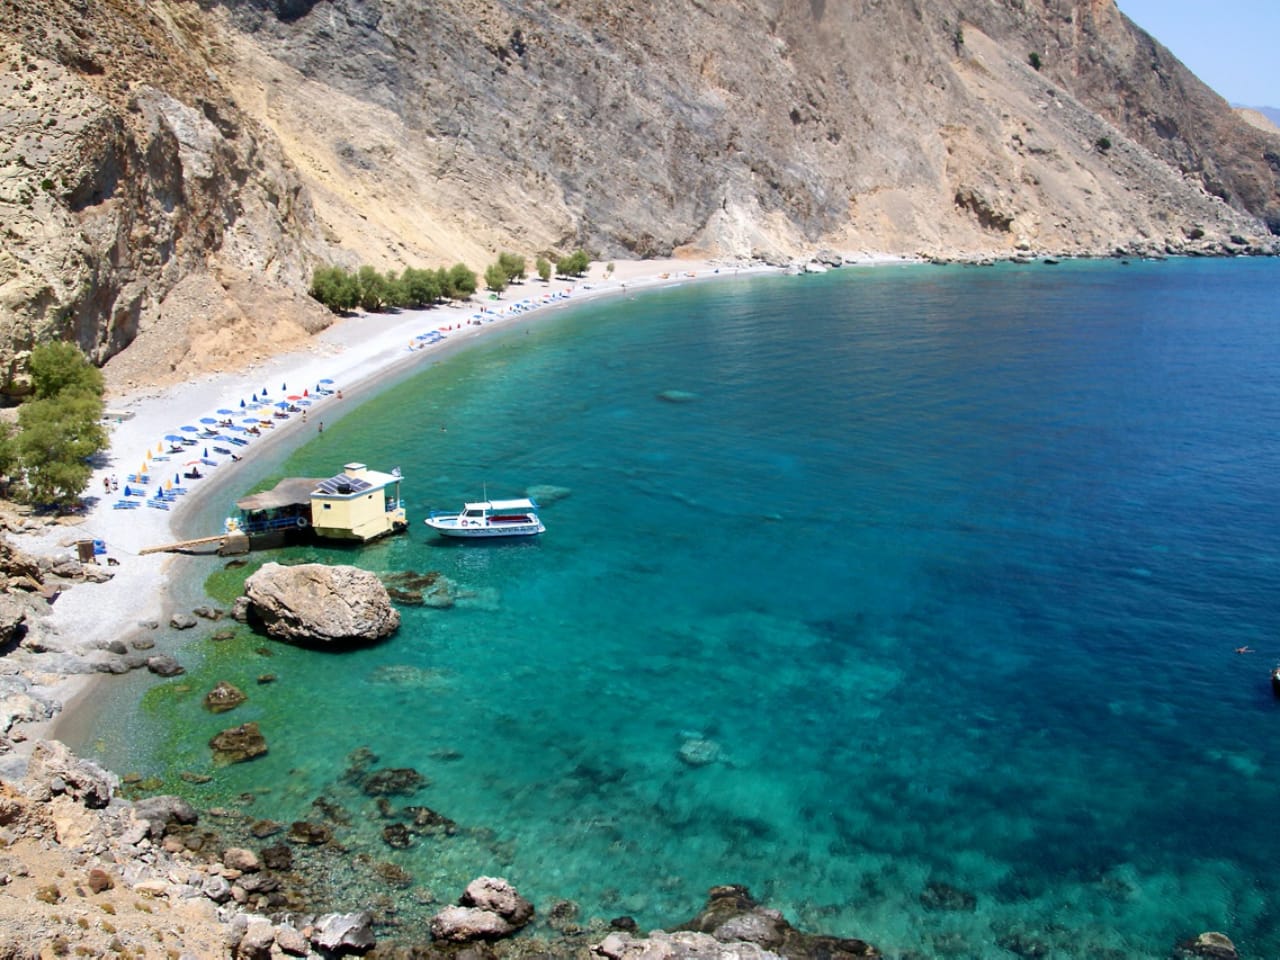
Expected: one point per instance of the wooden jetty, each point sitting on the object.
(229, 544)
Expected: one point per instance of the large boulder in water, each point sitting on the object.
(318, 604)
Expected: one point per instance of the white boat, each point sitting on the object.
(489, 518)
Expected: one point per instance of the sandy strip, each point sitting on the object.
(354, 353)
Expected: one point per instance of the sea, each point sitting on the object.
(910, 597)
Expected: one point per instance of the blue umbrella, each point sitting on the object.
(242, 403)
(250, 420)
(255, 398)
(326, 381)
(283, 387)
(208, 420)
(236, 429)
(173, 438)
(226, 413)
(189, 429)
(127, 491)
(283, 404)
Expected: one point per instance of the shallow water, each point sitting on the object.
(945, 565)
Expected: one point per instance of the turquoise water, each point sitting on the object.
(946, 566)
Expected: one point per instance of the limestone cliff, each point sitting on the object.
(171, 172)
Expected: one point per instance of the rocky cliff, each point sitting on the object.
(171, 172)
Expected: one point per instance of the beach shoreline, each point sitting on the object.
(360, 354)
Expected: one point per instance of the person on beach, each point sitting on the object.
(320, 429)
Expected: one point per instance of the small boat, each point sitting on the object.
(489, 518)
(1275, 681)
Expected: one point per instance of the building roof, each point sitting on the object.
(289, 492)
(349, 485)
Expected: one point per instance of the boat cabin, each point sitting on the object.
(358, 504)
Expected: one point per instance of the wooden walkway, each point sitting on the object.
(229, 544)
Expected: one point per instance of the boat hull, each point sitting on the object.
(451, 527)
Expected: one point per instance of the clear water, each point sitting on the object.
(949, 564)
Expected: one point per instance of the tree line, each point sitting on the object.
(46, 455)
(416, 288)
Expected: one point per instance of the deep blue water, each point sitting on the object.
(948, 564)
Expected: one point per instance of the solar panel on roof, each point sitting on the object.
(343, 484)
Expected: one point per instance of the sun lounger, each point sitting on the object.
(125, 504)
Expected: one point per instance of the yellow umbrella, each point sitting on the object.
(168, 484)
(159, 448)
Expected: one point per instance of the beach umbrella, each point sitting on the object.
(159, 448)
(127, 491)
(173, 438)
(283, 405)
(283, 387)
(294, 396)
(177, 478)
(264, 391)
(250, 420)
(206, 451)
(305, 393)
(304, 403)
(326, 381)
(255, 398)
(242, 403)
(187, 428)
(168, 484)
(208, 420)
(225, 412)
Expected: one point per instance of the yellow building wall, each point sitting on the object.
(361, 518)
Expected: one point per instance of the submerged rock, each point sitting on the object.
(699, 752)
(677, 396)
(546, 493)
(314, 603)
(1211, 944)
(238, 744)
(397, 780)
(223, 697)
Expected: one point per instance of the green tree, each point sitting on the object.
(459, 282)
(373, 289)
(422, 287)
(9, 460)
(59, 435)
(1034, 59)
(543, 266)
(495, 278)
(513, 265)
(336, 288)
(573, 265)
(1103, 144)
(397, 291)
(61, 367)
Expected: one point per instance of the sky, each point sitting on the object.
(1229, 44)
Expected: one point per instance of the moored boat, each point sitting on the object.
(489, 518)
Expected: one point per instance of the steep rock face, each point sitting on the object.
(128, 178)
(762, 126)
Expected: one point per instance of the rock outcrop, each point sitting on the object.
(317, 604)
(489, 909)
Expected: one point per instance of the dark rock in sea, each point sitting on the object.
(142, 643)
(265, 828)
(1211, 944)
(117, 647)
(1024, 945)
(943, 896)
(397, 836)
(394, 874)
(266, 678)
(626, 924)
(223, 697)
(238, 744)
(182, 621)
(277, 857)
(359, 762)
(188, 777)
(164, 665)
(396, 781)
(331, 810)
(411, 598)
(427, 821)
(446, 755)
(206, 612)
(226, 633)
(309, 834)
(563, 916)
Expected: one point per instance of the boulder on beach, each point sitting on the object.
(489, 909)
(318, 604)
